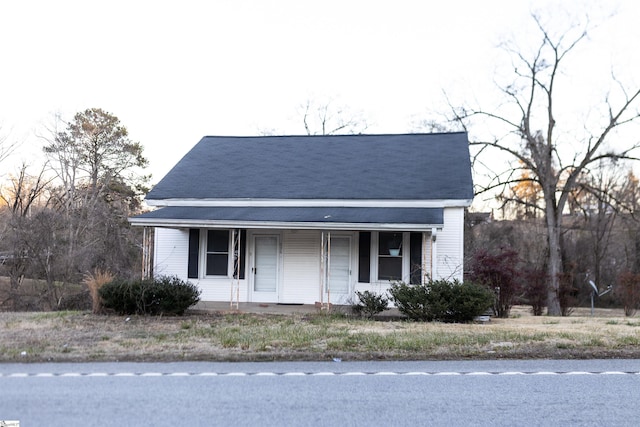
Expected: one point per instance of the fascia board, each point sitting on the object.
(174, 223)
(440, 203)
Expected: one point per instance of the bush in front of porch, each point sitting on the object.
(441, 300)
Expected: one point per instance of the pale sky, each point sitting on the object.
(174, 72)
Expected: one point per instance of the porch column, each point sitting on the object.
(147, 251)
(434, 254)
(325, 265)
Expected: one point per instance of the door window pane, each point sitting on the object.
(340, 265)
(266, 267)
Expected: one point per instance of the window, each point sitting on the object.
(217, 263)
(389, 256)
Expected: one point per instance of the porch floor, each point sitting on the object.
(274, 308)
(254, 307)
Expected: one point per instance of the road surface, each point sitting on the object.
(482, 393)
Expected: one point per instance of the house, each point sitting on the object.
(308, 219)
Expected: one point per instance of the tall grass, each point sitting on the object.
(94, 282)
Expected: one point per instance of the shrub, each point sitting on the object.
(499, 272)
(458, 302)
(369, 303)
(163, 295)
(629, 292)
(412, 300)
(442, 300)
(567, 293)
(535, 293)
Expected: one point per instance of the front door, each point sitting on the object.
(339, 272)
(265, 268)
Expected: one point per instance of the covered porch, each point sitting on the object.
(295, 255)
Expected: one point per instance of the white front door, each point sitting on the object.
(339, 269)
(265, 268)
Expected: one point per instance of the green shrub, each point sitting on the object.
(369, 303)
(412, 300)
(459, 302)
(162, 295)
(441, 300)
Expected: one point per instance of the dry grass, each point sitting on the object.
(94, 282)
(80, 336)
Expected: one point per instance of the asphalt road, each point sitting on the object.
(483, 393)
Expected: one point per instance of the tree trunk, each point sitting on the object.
(555, 266)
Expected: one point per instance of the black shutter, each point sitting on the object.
(364, 259)
(415, 258)
(244, 252)
(194, 249)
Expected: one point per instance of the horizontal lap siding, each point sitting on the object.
(171, 252)
(219, 289)
(301, 267)
(171, 258)
(450, 243)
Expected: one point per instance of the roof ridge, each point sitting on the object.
(338, 135)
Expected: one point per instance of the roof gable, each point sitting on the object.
(355, 167)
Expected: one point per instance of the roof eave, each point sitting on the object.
(278, 225)
(369, 203)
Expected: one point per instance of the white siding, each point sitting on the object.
(450, 245)
(171, 252)
(171, 257)
(300, 280)
(301, 267)
(219, 289)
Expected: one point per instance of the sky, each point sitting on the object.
(173, 72)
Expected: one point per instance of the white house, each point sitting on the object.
(307, 219)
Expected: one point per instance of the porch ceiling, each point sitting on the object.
(350, 218)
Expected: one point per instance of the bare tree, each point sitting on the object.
(325, 118)
(7, 147)
(554, 158)
(19, 198)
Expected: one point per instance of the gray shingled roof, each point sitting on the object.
(356, 167)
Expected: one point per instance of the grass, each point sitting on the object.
(80, 336)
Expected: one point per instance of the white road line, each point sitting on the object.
(300, 374)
